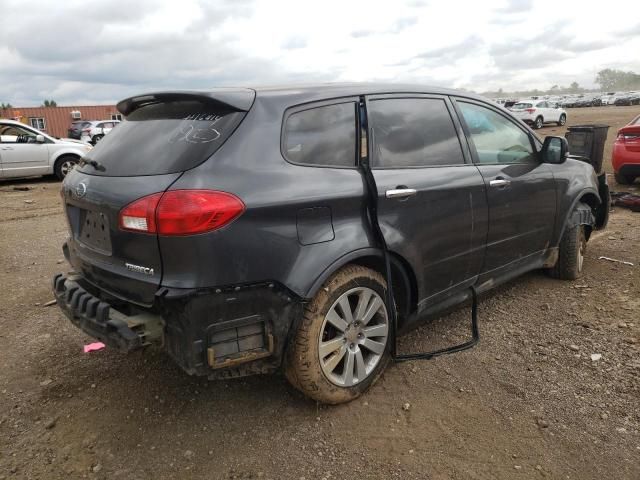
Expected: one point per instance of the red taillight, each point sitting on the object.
(140, 216)
(86, 130)
(529, 110)
(181, 212)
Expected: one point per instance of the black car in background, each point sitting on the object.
(628, 99)
(75, 130)
(251, 230)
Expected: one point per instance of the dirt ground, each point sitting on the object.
(528, 402)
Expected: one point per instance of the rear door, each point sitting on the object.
(144, 156)
(520, 189)
(431, 201)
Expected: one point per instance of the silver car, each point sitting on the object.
(25, 152)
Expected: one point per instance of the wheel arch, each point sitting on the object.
(64, 153)
(402, 276)
(588, 197)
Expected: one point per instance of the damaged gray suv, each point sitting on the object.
(247, 230)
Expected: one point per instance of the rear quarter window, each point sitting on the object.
(321, 136)
(163, 138)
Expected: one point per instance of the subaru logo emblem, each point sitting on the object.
(81, 190)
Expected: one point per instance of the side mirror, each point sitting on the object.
(555, 150)
(39, 138)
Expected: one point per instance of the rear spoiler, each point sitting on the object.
(238, 99)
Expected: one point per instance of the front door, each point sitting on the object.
(431, 202)
(521, 190)
(20, 154)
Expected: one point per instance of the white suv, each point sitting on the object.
(25, 152)
(94, 132)
(538, 112)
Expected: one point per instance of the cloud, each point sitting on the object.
(74, 53)
(451, 53)
(515, 6)
(293, 43)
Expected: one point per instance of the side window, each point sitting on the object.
(413, 132)
(13, 134)
(324, 136)
(496, 138)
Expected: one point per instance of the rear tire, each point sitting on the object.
(623, 179)
(64, 165)
(538, 123)
(563, 120)
(572, 250)
(96, 139)
(335, 356)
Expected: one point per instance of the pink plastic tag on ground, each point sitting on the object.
(92, 347)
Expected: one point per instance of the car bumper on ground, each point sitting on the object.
(217, 332)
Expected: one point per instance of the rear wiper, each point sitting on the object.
(94, 163)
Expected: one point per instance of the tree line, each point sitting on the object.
(609, 80)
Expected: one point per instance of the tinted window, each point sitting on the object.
(163, 138)
(322, 136)
(522, 106)
(413, 132)
(496, 138)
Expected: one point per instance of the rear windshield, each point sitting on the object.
(522, 106)
(162, 138)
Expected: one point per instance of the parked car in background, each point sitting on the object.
(25, 152)
(625, 157)
(628, 98)
(75, 130)
(250, 230)
(538, 112)
(622, 100)
(606, 98)
(96, 130)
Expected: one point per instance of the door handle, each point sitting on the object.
(499, 182)
(401, 193)
(7, 148)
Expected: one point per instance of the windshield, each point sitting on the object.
(162, 138)
(521, 106)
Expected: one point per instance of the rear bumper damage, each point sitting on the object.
(100, 320)
(217, 332)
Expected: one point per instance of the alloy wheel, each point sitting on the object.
(353, 337)
(66, 167)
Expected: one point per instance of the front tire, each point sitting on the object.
(96, 139)
(63, 166)
(342, 344)
(571, 254)
(623, 179)
(538, 123)
(563, 120)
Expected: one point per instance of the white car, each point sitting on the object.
(538, 112)
(25, 151)
(94, 132)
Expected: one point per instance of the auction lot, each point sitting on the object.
(527, 402)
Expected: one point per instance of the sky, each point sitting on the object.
(79, 52)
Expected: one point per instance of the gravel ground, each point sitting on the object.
(530, 401)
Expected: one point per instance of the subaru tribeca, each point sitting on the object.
(246, 230)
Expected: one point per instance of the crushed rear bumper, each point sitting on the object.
(100, 320)
(216, 332)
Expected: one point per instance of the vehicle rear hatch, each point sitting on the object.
(163, 135)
